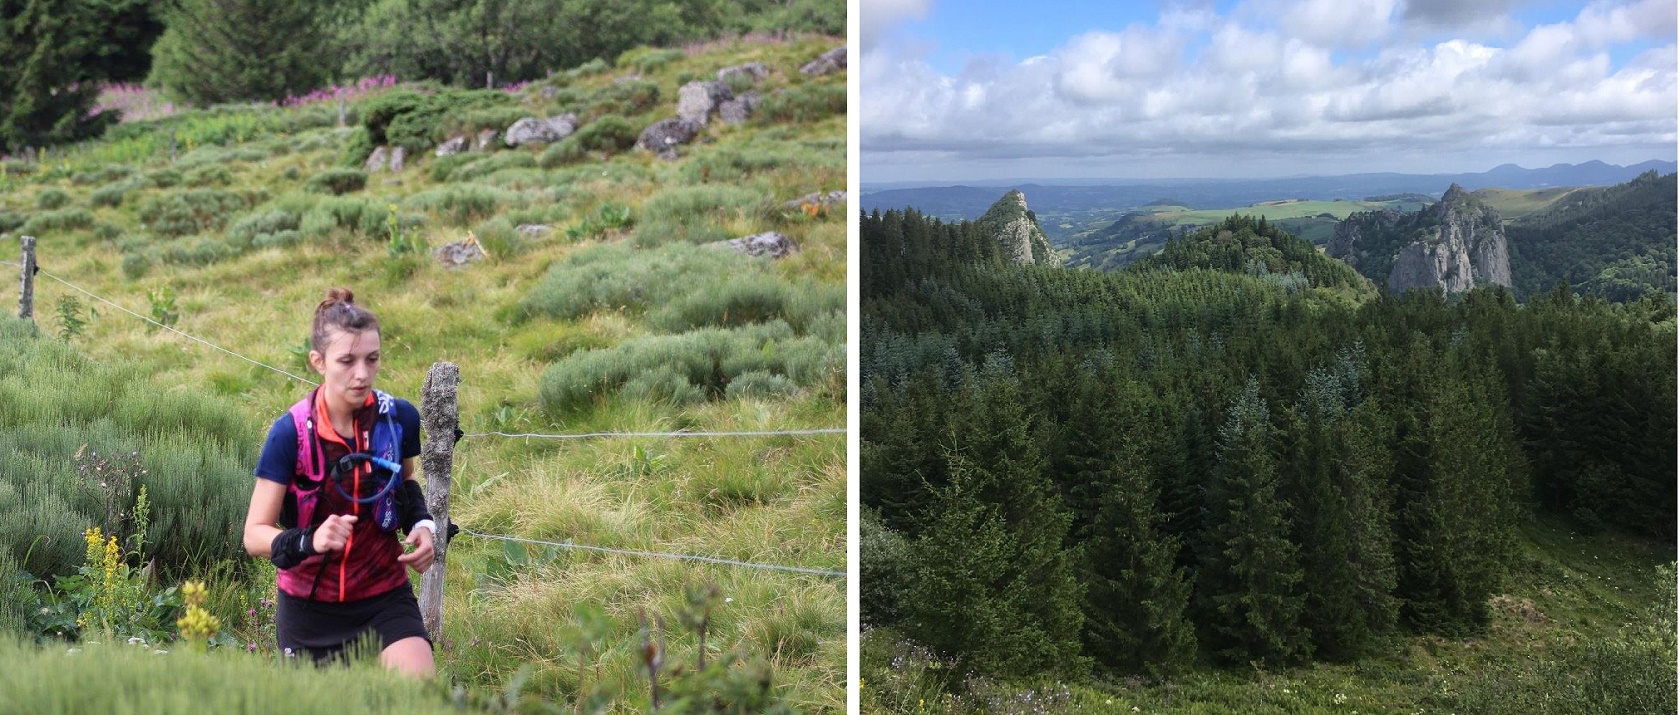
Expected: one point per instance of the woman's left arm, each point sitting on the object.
(420, 538)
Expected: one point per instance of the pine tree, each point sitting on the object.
(1251, 576)
(1136, 597)
(215, 51)
(49, 49)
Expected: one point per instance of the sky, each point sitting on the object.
(955, 90)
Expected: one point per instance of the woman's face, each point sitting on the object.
(348, 366)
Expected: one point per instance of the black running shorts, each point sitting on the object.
(324, 630)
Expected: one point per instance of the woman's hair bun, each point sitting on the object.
(334, 297)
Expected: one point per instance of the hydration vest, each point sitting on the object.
(311, 483)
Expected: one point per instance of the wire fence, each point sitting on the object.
(579, 436)
(658, 554)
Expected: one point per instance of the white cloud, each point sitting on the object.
(1196, 85)
(876, 16)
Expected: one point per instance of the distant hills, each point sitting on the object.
(1074, 202)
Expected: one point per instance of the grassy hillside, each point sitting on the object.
(238, 219)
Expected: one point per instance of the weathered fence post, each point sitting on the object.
(26, 290)
(439, 417)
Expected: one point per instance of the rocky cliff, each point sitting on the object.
(1455, 244)
(1016, 229)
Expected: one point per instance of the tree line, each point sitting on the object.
(1065, 470)
(206, 52)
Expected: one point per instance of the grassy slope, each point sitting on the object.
(1565, 588)
(778, 500)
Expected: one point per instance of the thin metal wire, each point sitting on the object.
(168, 328)
(591, 435)
(661, 554)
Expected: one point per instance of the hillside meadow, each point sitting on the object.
(231, 223)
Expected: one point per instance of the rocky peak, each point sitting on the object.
(1455, 244)
(1016, 229)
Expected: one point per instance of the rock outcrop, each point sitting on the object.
(1455, 245)
(830, 62)
(772, 244)
(1016, 229)
(531, 130)
(663, 136)
(697, 100)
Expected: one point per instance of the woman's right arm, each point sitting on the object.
(260, 520)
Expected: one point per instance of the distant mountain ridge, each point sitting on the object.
(972, 200)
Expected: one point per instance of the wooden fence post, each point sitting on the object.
(26, 291)
(437, 455)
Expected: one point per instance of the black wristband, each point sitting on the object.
(411, 505)
(291, 547)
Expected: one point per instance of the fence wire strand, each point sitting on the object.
(593, 435)
(659, 554)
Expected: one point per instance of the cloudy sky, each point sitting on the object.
(957, 90)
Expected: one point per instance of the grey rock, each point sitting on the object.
(818, 198)
(697, 100)
(1016, 229)
(532, 230)
(754, 70)
(739, 109)
(772, 244)
(1454, 245)
(453, 146)
(666, 134)
(531, 130)
(830, 62)
(460, 253)
(486, 140)
(398, 154)
(549, 90)
(377, 160)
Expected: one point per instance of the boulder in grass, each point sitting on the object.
(739, 109)
(531, 130)
(398, 154)
(453, 146)
(818, 199)
(377, 160)
(486, 140)
(697, 100)
(664, 135)
(770, 243)
(532, 230)
(830, 62)
(459, 253)
(754, 71)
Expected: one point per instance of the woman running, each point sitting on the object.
(335, 482)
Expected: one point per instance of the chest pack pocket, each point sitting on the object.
(313, 471)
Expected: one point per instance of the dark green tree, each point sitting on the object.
(1251, 575)
(215, 51)
(50, 51)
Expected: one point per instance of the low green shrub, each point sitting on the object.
(163, 178)
(618, 277)
(693, 214)
(357, 146)
(196, 251)
(735, 163)
(566, 151)
(743, 297)
(647, 59)
(185, 213)
(441, 167)
(759, 384)
(626, 99)
(588, 69)
(462, 204)
(480, 165)
(258, 228)
(62, 220)
(355, 215)
(12, 221)
(708, 359)
(111, 195)
(663, 385)
(102, 175)
(611, 134)
(52, 198)
(499, 239)
(805, 103)
(337, 181)
(209, 175)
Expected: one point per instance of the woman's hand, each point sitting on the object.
(332, 534)
(420, 558)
